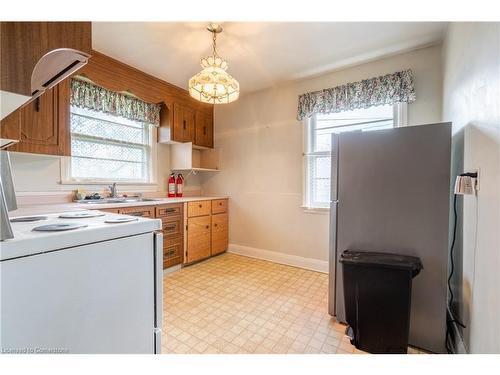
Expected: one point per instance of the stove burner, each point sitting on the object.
(27, 219)
(59, 227)
(117, 220)
(81, 215)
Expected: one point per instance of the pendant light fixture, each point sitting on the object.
(213, 84)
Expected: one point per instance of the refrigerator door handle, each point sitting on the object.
(158, 285)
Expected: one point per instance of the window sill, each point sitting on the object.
(316, 210)
(118, 182)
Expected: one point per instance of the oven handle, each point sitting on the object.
(158, 271)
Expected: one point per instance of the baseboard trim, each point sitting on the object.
(281, 258)
(171, 269)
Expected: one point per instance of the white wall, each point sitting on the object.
(261, 151)
(42, 173)
(471, 58)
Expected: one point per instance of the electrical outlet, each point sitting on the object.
(478, 171)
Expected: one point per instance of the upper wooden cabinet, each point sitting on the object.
(184, 123)
(42, 126)
(204, 129)
(24, 44)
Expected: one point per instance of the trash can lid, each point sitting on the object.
(376, 259)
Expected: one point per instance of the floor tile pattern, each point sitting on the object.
(234, 304)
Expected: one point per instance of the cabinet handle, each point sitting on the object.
(136, 213)
(208, 227)
(200, 205)
(37, 104)
(220, 203)
(215, 225)
(170, 210)
(170, 226)
(184, 124)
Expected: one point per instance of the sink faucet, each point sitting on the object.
(112, 190)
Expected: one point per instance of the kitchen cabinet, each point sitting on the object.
(42, 126)
(181, 123)
(199, 234)
(204, 129)
(219, 233)
(23, 44)
(172, 219)
(207, 229)
(198, 238)
(184, 123)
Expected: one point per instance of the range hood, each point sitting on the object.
(51, 69)
(6, 143)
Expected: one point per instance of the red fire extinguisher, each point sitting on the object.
(179, 184)
(171, 186)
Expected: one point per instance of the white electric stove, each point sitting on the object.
(87, 285)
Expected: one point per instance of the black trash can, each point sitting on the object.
(377, 296)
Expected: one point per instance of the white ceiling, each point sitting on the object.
(259, 54)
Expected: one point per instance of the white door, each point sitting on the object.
(97, 298)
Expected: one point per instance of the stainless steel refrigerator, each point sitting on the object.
(390, 192)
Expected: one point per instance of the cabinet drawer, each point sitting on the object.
(172, 227)
(138, 211)
(219, 233)
(172, 253)
(170, 210)
(219, 206)
(199, 208)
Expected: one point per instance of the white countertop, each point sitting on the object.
(40, 209)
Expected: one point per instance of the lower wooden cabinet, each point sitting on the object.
(198, 238)
(200, 234)
(173, 250)
(219, 233)
(207, 229)
(172, 219)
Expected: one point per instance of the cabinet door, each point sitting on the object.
(204, 129)
(198, 238)
(183, 129)
(188, 125)
(219, 233)
(41, 126)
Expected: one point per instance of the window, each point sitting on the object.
(106, 147)
(318, 135)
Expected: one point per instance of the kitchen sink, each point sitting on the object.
(116, 200)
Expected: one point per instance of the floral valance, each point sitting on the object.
(87, 95)
(388, 89)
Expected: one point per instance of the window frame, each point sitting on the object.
(152, 162)
(400, 119)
